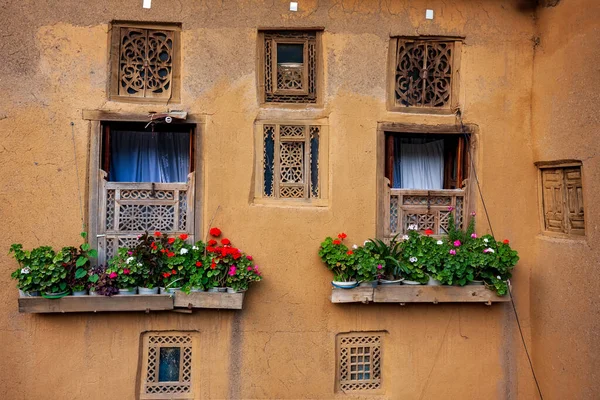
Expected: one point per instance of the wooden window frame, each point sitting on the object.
(323, 162)
(382, 215)
(339, 383)
(311, 100)
(453, 103)
(114, 60)
(566, 231)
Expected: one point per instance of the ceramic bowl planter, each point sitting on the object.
(344, 285)
(391, 282)
(232, 290)
(433, 282)
(128, 292)
(218, 289)
(34, 293)
(58, 295)
(197, 289)
(406, 282)
(94, 293)
(80, 292)
(171, 290)
(368, 284)
(143, 290)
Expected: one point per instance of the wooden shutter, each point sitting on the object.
(552, 183)
(574, 201)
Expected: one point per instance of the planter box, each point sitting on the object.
(147, 303)
(403, 294)
(232, 301)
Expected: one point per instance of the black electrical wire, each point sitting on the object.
(512, 300)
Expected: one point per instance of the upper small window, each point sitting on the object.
(145, 63)
(289, 66)
(424, 75)
(562, 198)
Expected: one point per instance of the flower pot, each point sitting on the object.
(232, 290)
(162, 290)
(433, 282)
(388, 282)
(58, 295)
(94, 293)
(171, 290)
(368, 284)
(196, 290)
(34, 293)
(143, 290)
(344, 285)
(218, 289)
(405, 282)
(475, 283)
(80, 292)
(128, 291)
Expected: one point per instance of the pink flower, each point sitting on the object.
(472, 213)
(232, 270)
(450, 208)
(126, 271)
(249, 258)
(456, 243)
(453, 252)
(112, 275)
(474, 235)
(130, 252)
(249, 268)
(379, 266)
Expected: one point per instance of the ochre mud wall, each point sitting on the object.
(282, 345)
(566, 125)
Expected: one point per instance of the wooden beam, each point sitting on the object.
(96, 304)
(232, 301)
(356, 295)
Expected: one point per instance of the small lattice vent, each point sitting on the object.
(359, 361)
(167, 368)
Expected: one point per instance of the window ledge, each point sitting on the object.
(403, 294)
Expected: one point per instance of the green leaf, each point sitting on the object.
(80, 273)
(93, 253)
(85, 246)
(81, 261)
(93, 278)
(63, 285)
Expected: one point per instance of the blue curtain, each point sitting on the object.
(149, 156)
(418, 164)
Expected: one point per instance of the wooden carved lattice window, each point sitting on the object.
(424, 74)
(289, 66)
(167, 366)
(293, 162)
(145, 63)
(562, 200)
(359, 362)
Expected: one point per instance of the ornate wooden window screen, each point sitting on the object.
(145, 63)
(562, 200)
(359, 362)
(167, 366)
(129, 209)
(290, 163)
(425, 74)
(426, 209)
(294, 82)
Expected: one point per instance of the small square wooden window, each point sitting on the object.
(359, 361)
(167, 366)
(145, 63)
(293, 165)
(289, 65)
(424, 75)
(562, 199)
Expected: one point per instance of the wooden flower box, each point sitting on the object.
(403, 294)
(140, 302)
(232, 301)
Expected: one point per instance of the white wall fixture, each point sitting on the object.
(428, 14)
(293, 6)
(147, 3)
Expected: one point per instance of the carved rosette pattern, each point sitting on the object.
(359, 364)
(145, 62)
(423, 76)
(289, 77)
(152, 386)
(291, 161)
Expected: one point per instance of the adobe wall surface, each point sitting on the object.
(282, 345)
(566, 125)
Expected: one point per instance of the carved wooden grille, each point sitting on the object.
(423, 73)
(290, 163)
(290, 83)
(562, 199)
(359, 362)
(130, 209)
(152, 386)
(426, 209)
(145, 62)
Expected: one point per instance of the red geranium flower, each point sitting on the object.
(126, 271)
(174, 272)
(249, 258)
(236, 256)
(216, 232)
(166, 275)
(505, 241)
(198, 264)
(153, 246)
(342, 236)
(171, 240)
(213, 265)
(212, 242)
(157, 234)
(336, 242)
(225, 241)
(349, 252)
(170, 254)
(163, 250)
(183, 236)
(428, 232)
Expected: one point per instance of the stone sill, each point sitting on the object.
(403, 294)
(179, 302)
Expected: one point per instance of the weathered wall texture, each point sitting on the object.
(281, 345)
(566, 125)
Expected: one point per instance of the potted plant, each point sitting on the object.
(369, 265)
(150, 259)
(413, 258)
(32, 265)
(124, 269)
(77, 262)
(242, 274)
(338, 258)
(499, 261)
(219, 260)
(181, 262)
(390, 254)
(99, 282)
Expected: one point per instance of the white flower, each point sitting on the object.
(130, 260)
(139, 264)
(413, 259)
(413, 227)
(439, 242)
(194, 247)
(490, 250)
(25, 270)
(485, 240)
(499, 277)
(404, 237)
(355, 247)
(183, 251)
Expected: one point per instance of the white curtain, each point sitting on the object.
(149, 156)
(418, 164)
